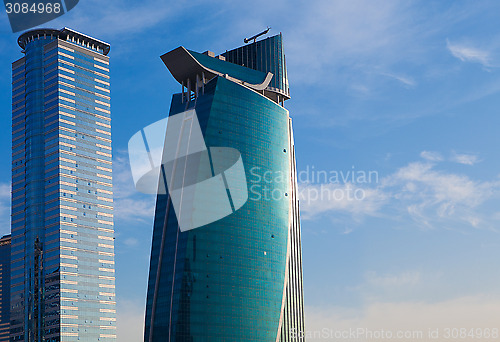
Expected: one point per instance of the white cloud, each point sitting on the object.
(471, 312)
(431, 196)
(420, 192)
(406, 80)
(130, 205)
(466, 159)
(136, 209)
(317, 199)
(131, 242)
(5, 208)
(469, 54)
(431, 155)
(440, 186)
(4, 191)
(447, 187)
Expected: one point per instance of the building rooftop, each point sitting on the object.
(65, 34)
(190, 65)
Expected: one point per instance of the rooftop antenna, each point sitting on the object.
(254, 38)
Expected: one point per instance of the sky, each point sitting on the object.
(395, 107)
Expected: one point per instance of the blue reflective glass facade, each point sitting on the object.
(62, 268)
(239, 278)
(266, 55)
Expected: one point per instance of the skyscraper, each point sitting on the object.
(62, 275)
(5, 288)
(238, 278)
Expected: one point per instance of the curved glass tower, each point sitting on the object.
(238, 278)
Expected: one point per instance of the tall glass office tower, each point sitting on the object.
(62, 274)
(238, 278)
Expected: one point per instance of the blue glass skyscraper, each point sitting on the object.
(62, 274)
(238, 278)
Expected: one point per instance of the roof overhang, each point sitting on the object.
(184, 66)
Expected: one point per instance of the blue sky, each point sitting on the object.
(407, 89)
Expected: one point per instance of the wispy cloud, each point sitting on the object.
(5, 189)
(467, 53)
(347, 198)
(131, 242)
(443, 186)
(119, 18)
(461, 158)
(433, 197)
(466, 159)
(130, 205)
(419, 192)
(347, 42)
(359, 35)
(405, 80)
(431, 155)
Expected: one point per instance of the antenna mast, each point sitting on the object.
(254, 38)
